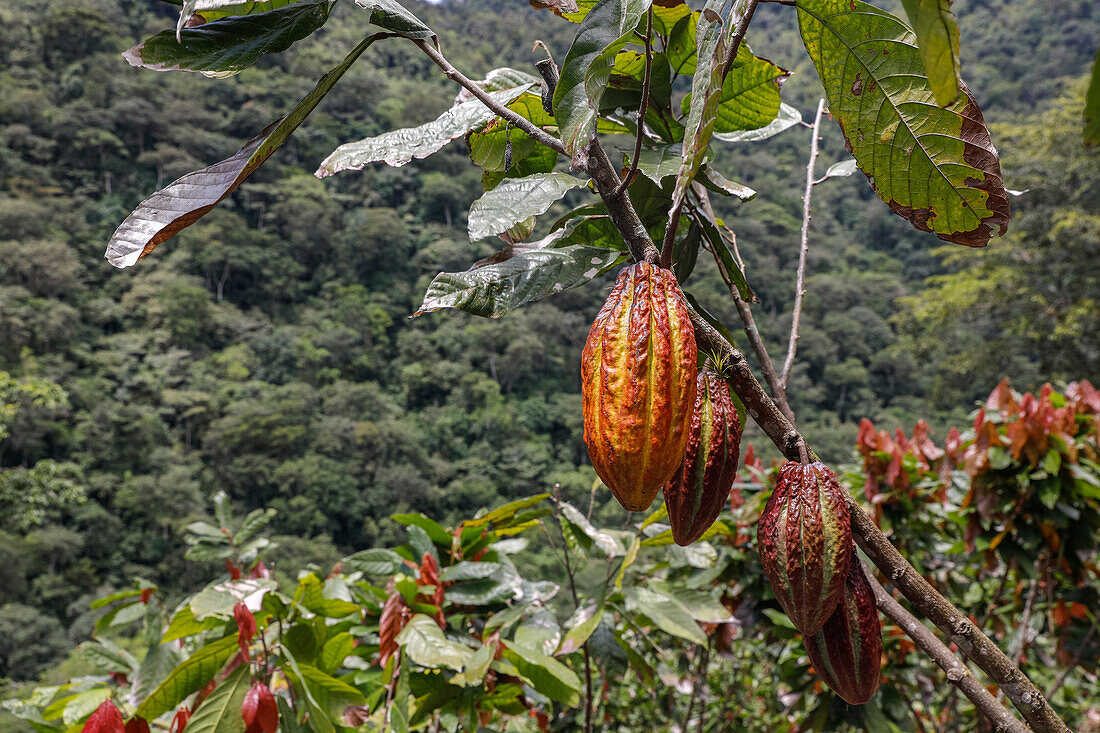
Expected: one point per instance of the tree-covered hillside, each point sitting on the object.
(267, 351)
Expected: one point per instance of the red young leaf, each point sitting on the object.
(259, 570)
(259, 710)
(246, 626)
(105, 719)
(394, 616)
(137, 724)
(233, 570)
(146, 594)
(179, 722)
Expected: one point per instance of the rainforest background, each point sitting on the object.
(267, 351)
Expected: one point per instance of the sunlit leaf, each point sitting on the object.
(546, 674)
(516, 199)
(425, 644)
(787, 118)
(188, 676)
(398, 147)
(938, 40)
(750, 94)
(526, 272)
(221, 711)
(935, 167)
(394, 17)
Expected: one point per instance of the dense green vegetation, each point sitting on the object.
(266, 352)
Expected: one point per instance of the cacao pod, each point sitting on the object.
(847, 652)
(638, 373)
(804, 539)
(697, 492)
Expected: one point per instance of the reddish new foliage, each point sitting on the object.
(105, 719)
(260, 713)
(259, 570)
(246, 626)
(179, 721)
(146, 594)
(395, 614)
(137, 724)
(233, 570)
(429, 575)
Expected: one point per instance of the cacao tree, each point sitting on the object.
(630, 116)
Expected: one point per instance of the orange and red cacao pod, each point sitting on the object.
(804, 538)
(697, 492)
(847, 652)
(638, 373)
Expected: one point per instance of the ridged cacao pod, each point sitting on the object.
(697, 492)
(638, 375)
(804, 539)
(847, 652)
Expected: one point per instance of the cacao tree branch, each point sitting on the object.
(927, 600)
(536, 133)
(981, 650)
(955, 669)
(804, 245)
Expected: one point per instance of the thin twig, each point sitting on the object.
(800, 279)
(576, 605)
(644, 106)
(537, 133)
(779, 394)
(956, 671)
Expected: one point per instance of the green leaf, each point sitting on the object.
(524, 273)
(188, 676)
(398, 147)
(628, 560)
(332, 695)
(120, 595)
(484, 592)
(106, 656)
(587, 69)
(715, 181)
(214, 9)
(713, 38)
(700, 605)
(184, 623)
(844, 168)
(394, 17)
(581, 625)
(750, 94)
(436, 532)
(475, 668)
(607, 544)
(935, 167)
(1092, 106)
(253, 524)
(319, 720)
(718, 245)
(506, 512)
(229, 45)
(787, 118)
(425, 644)
(547, 675)
(159, 662)
(374, 562)
(335, 651)
(76, 707)
(516, 199)
(188, 199)
(469, 570)
(221, 711)
(668, 615)
(938, 40)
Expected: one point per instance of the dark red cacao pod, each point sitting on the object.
(847, 652)
(638, 373)
(697, 492)
(804, 539)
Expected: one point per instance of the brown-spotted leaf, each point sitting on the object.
(188, 199)
(936, 167)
